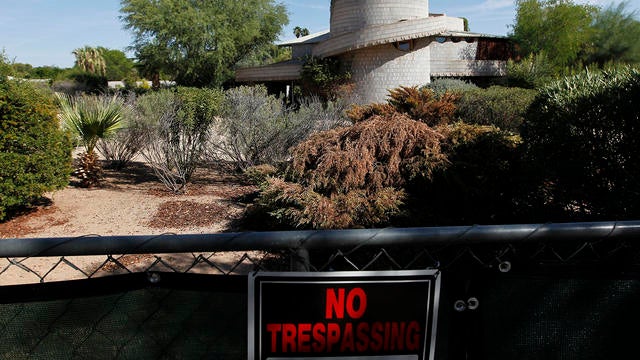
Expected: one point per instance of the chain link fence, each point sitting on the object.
(518, 291)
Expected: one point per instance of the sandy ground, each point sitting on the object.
(129, 202)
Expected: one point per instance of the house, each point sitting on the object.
(387, 44)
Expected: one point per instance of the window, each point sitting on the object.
(405, 46)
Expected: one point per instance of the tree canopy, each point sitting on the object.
(118, 66)
(90, 59)
(199, 42)
(558, 28)
(615, 36)
(570, 35)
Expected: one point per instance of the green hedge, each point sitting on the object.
(498, 106)
(583, 139)
(35, 155)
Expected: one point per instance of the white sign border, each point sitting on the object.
(337, 274)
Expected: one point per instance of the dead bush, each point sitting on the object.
(354, 176)
(421, 104)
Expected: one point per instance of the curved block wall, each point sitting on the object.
(377, 69)
(353, 15)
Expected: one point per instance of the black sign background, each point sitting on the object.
(300, 298)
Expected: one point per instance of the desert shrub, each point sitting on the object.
(180, 123)
(498, 106)
(257, 128)
(443, 85)
(326, 77)
(421, 104)
(260, 173)
(532, 72)
(90, 118)
(583, 140)
(35, 154)
(77, 82)
(353, 176)
(127, 142)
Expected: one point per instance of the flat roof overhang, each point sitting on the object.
(284, 71)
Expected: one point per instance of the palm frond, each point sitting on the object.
(91, 117)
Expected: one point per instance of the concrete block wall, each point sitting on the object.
(459, 59)
(450, 50)
(384, 34)
(352, 15)
(377, 69)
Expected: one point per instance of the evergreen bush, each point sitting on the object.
(583, 137)
(497, 106)
(35, 154)
(443, 85)
(479, 185)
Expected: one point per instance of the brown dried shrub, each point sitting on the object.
(357, 113)
(422, 104)
(354, 176)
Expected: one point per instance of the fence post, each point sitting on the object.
(301, 261)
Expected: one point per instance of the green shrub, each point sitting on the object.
(179, 122)
(127, 141)
(326, 77)
(5, 66)
(498, 106)
(583, 137)
(479, 184)
(257, 128)
(534, 71)
(35, 155)
(443, 85)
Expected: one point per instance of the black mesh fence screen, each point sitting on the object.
(542, 299)
(182, 316)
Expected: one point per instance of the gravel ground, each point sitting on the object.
(129, 202)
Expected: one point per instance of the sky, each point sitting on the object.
(45, 32)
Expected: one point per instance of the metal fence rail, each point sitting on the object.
(612, 243)
(309, 240)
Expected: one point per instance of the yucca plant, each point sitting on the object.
(90, 118)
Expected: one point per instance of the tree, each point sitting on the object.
(6, 69)
(558, 28)
(46, 72)
(615, 36)
(90, 59)
(22, 70)
(118, 66)
(199, 42)
(266, 55)
(300, 32)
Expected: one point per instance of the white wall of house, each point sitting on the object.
(352, 15)
(377, 69)
(459, 59)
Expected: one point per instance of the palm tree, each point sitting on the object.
(90, 60)
(90, 118)
(299, 32)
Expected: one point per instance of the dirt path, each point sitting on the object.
(130, 202)
(133, 202)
